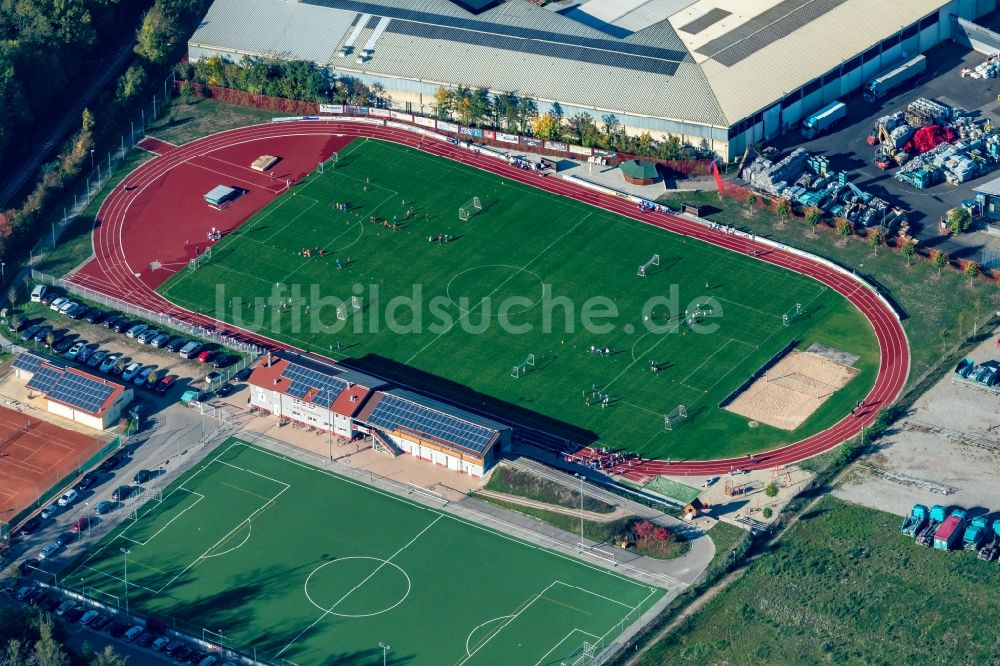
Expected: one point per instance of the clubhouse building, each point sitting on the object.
(352, 405)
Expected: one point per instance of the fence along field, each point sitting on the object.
(285, 561)
(535, 246)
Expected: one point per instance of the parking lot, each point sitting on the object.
(847, 149)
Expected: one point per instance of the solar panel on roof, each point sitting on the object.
(27, 362)
(394, 412)
(44, 378)
(303, 379)
(81, 392)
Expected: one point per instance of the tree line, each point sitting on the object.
(161, 38)
(473, 107)
(33, 639)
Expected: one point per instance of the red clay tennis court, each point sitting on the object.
(34, 456)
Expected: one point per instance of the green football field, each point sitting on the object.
(262, 553)
(523, 278)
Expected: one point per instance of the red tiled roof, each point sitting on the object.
(349, 402)
(269, 377)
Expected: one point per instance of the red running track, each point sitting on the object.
(123, 241)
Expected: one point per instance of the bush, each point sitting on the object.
(767, 513)
(771, 490)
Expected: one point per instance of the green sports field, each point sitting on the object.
(517, 280)
(307, 567)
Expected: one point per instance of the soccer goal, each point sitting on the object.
(793, 314)
(520, 369)
(345, 310)
(582, 656)
(471, 207)
(674, 418)
(644, 269)
(328, 163)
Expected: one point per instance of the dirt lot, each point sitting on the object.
(948, 443)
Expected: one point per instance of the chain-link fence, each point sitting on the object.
(103, 166)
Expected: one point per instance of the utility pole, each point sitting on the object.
(580, 476)
(125, 552)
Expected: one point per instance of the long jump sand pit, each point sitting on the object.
(34, 456)
(791, 390)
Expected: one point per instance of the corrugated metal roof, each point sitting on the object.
(991, 188)
(278, 28)
(764, 76)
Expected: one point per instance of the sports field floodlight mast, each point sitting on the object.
(385, 650)
(125, 552)
(580, 476)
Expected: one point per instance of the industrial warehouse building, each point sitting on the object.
(728, 73)
(352, 405)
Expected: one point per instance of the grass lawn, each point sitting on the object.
(523, 277)
(674, 489)
(941, 309)
(269, 553)
(845, 587)
(186, 122)
(506, 479)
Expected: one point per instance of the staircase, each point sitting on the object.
(384, 444)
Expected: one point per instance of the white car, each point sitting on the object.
(68, 497)
(133, 633)
(37, 293)
(88, 617)
(67, 306)
(159, 644)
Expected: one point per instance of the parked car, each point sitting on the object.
(172, 647)
(118, 368)
(143, 475)
(145, 639)
(95, 316)
(49, 550)
(125, 324)
(166, 383)
(74, 614)
(16, 323)
(96, 358)
(213, 377)
(119, 627)
(112, 319)
(85, 353)
(182, 653)
(223, 360)
(100, 622)
(84, 523)
(176, 344)
(133, 633)
(75, 350)
(30, 526)
(88, 617)
(37, 292)
(28, 565)
(65, 606)
(29, 332)
(41, 333)
(64, 343)
(121, 493)
(206, 356)
(68, 497)
(110, 464)
(147, 336)
(143, 375)
(79, 312)
(225, 390)
(67, 306)
(58, 303)
(159, 643)
(136, 330)
(131, 371)
(87, 480)
(160, 340)
(57, 336)
(49, 511)
(191, 349)
(66, 538)
(104, 507)
(109, 362)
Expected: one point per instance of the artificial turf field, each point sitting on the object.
(308, 567)
(547, 251)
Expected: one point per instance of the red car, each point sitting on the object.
(83, 523)
(205, 356)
